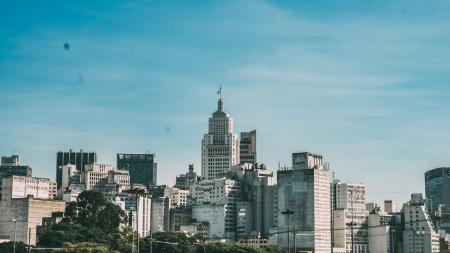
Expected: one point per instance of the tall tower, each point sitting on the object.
(220, 147)
(304, 191)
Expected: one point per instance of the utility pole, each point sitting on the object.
(29, 240)
(15, 223)
(288, 213)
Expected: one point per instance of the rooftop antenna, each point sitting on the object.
(219, 92)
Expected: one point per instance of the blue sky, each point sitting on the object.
(364, 83)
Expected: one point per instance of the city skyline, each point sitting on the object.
(306, 81)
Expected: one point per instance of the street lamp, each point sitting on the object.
(288, 213)
(15, 225)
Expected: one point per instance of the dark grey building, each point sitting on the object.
(184, 181)
(437, 187)
(142, 168)
(9, 170)
(247, 147)
(79, 159)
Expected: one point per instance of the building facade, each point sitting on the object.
(257, 188)
(419, 234)
(177, 197)
(350, 217)
(11, 168)
(79, 159)
(437, 187)
(142, 168)
(305, 190)
(247, 147)
(184, 181)
(220, 148)
(215, 201)
(24, 204)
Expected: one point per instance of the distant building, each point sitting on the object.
(25, 200)
(257, 188)
(305, 190)
(179, 216)
(419, 232)
(103, 178)
(220, 146)
(379, 232)
(13, 160)
(160, 215)
(248, 147)
(157, 191)
(215, 201)
(196, 228)
(11, 167)
(350, 217)
(142, 168)
(79, 159)
(138, 210)
(389, 206)
(176, 196)
(52, 191)
(21, 187)
(437, 187)
(184, 181)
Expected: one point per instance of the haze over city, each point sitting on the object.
(363, 84)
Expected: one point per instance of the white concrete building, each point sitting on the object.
(176, 196)
(215, 201)
(138, 210)
(305, 190)
(20, 187)
(380, 232)
(349, 207)
(95, 175)
(419, 234)
(220, 146)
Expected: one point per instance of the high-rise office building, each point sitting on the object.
(257, 189)
(437, 187)
(220, 146)
(248, 147)
(142, 168)
(79, 159)
(305, 191)
(215, 201)
(10, 166)
(350, 217)
(419, 233)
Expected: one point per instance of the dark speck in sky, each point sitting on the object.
(66, 46)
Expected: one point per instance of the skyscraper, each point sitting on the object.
(248, 147)
(79, 159)
(220, 146)
(142, 167)
(304, 191)
(437, 187)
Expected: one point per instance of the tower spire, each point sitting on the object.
(220, 102)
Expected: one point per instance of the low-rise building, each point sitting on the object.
(25, 203)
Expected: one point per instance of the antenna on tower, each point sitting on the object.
(219, 92)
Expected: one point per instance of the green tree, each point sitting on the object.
(8, 247)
